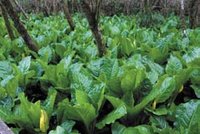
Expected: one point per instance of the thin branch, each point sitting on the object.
(7, 22)
(18, 25)
(21, 9)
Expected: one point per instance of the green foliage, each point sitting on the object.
(188, 114)
(148, 82)
(120, 129)
(83, 111)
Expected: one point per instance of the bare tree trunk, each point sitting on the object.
(165, 7)
(7, 22)
(68, 15)
(182, 14)
(194, 13)
(53, 5)
(156, 5)
(18, 24)
(46, 8)
(142, 5)
(75, 6)
(37, 4)
(21, 9)
(93, 23)
(127, 6)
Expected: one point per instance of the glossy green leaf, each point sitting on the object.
(46, 54)
(112, 117)
(194, 125)
(27, 114)
(49, 103)
(5, 69)
(120, 129)
(114, 101)
(185, 112)
(84, 112)
(192, 56)
(196, 89)
(64, 128)
(174, 65)
(166, 89)
(82, 97)
(24, 64)
(59, 130)
(132, 79)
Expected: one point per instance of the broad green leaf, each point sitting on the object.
(185, 112)
(5, 69)
(81, 97)
(174, 65)
(158, 111)
(153, 76)
(59, 130)
(84, 112)
(132, 79)
(196, 89)
(168, 130)
(182, 77)
(110, 68)
(159, 53)
(60, 50)
(194, 125)
(10, 83)
(154, 67)
(166, 89)
(95, 65)
(195, 76)
(159, 121)
(137, 61)
(64, 128)
(16, 130)
(192, 56)
(138, 130)
(114, 30)
(112, 117)
(114, 101)
(27, 114)
(120, 129)
(86, 89)
(3, 93)
(128, 99)
(6, 114)
(111, 72)
(49, 103)
(126, 46)
(57, 75)
(97, 96)
(117, 128)
(68, 125)
(6, 80)
(155, 71)
(157, 92)
(128, 81)
(114, 85)
(82, 80)
(46, 54)
(24, 64)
